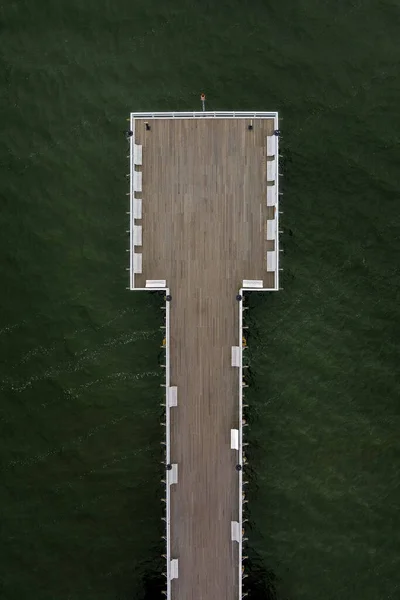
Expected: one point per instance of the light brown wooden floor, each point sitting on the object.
(204, 231)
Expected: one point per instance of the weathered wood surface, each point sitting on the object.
(204, 218)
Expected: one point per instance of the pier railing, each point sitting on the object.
(168, 442)
(240, 452)
(205, 115)
(131, 197)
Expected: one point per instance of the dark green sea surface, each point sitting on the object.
(80, 356)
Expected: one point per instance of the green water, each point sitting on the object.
(80, 377)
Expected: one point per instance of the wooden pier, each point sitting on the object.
(202, 229)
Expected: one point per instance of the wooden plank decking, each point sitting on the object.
(204, 219)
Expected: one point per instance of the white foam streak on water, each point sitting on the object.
(63, 487)
(77, 441)
(11, 327)
(39, 350)
(105, 465)
(107, 382)
(46, 351)
(81, 358)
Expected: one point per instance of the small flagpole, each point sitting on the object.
(203, 101)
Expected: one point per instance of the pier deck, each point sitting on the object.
(204, 230)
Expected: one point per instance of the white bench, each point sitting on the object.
(235, 439)
(137, 181)
(271, 260)
(137, 263)
(235, 531)
(253, 283)
(156, 283)
(271, 195)
(137, 208)
(174, 569)
(137, 154)
(271, 145)
(172, 474)
(271, 170)
(137, 235)
(173, 396)
(235, 356)
(271, 229)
